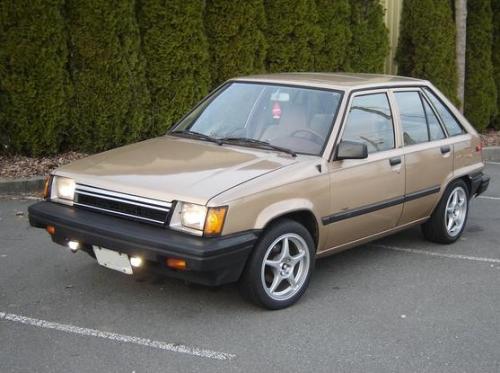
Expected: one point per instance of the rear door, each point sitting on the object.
(427, 153)
(366, 194)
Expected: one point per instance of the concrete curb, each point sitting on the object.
(32, 185)
(491, 153)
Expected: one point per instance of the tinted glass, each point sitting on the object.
(449, 121)
(435, 129)
(370, 121)
(299, 119)
(413, 122)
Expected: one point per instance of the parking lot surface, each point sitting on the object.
(400, 304)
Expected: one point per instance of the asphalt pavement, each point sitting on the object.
(400, 304)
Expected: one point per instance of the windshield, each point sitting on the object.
(298, 119)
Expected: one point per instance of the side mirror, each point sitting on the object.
(351, 150)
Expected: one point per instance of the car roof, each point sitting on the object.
(341, 81)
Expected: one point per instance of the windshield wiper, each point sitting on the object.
(198, 135)
(260, 143)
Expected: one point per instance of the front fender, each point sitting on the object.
(281, 208)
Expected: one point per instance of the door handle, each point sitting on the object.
(445, 149)
(394, 161)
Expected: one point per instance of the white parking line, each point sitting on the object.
(488, 162)
(442, 255)
(173, 347)
(490, 197)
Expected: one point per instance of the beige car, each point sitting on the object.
(269, 173)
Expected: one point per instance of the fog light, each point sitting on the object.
(174, 263)
(74, 246)
(136, 261)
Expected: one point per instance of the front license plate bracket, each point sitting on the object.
(113, 260)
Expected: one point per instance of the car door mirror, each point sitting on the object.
(351, 150)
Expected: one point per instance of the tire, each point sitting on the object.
(435, 229)
(281, 270)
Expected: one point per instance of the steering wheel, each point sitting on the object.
(316, 137)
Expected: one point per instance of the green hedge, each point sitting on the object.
(426, 47)
(293, 35)
(236, 37)
(111, 103)
(480, 102)
(334, 19)
(369, 43)
(496, 57)
(90, 75)
(34, 87)
(176, 51)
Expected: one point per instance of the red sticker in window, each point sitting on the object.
(276, 110)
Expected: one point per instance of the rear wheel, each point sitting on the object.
(278, 272)
(448, 220)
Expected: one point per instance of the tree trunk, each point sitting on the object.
(461, 26)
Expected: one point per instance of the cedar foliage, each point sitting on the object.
(369, 43)
(176, 52)
(293, 35)
(426, 47)
(480, 90)
(111, 101)
(335, 21)
(496, 57)
(235, 31)
(33, 77)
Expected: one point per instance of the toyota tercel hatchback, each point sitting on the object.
(267, 174)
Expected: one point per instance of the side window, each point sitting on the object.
(412, 116)
(435, 129)
(452, 126)
(370, 121)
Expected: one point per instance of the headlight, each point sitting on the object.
(193, 216)
(198, 219)
(63, 190)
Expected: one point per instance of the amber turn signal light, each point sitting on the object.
(175, 263)
(51, 229)
(214, 221)
(46, 188)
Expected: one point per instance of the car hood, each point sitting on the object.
(172, 168)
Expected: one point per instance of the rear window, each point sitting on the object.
(452, 126)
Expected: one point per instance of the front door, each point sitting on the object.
(366, 194)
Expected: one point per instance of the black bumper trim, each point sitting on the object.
(210, 261)
(479, 183)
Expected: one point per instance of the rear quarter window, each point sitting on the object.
(452, 125)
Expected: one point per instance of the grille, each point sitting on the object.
(123, 205)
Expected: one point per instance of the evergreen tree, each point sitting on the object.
(33, 80)
(293, 35)
(480, 90)
(369, 43)
(235, 31)
(426, 47)
(111, 98)
(176, 51)
(496, 57)
(335, 22)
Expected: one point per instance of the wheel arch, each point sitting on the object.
(303, 216)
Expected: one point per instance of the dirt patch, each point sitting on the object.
(15, 167)
(491, 138)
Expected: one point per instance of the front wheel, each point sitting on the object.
(448, 220)
(278, 272)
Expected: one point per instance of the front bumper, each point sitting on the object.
(210, 261)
